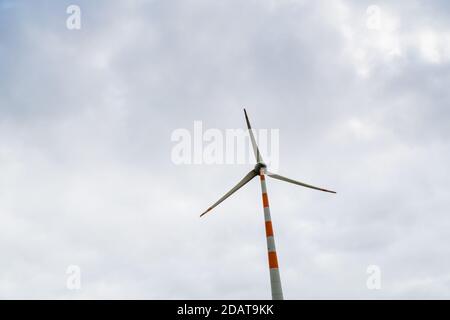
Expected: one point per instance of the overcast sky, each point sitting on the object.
(87, 178)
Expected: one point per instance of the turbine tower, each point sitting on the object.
(261, 170)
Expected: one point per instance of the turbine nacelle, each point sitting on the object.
(260, 166)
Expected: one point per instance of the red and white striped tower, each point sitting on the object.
(275, 281)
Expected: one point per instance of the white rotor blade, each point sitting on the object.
(276, 176)
(241, 183)
(252, 138)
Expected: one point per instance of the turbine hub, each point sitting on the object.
(259, 166)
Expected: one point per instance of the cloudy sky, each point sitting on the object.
(357, 89)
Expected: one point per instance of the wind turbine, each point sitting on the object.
(261, 170)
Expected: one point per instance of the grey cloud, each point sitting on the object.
(85, 124)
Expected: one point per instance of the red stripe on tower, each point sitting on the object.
(269, 229)
(265, 200)
(273, 261)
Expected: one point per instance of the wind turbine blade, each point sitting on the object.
(252, 138)
(276, 176)
(241, 183)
